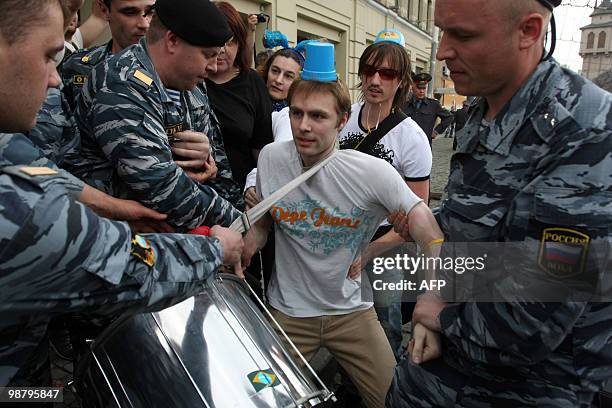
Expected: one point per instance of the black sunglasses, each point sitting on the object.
(385, 73)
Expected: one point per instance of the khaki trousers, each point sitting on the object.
(356, 340)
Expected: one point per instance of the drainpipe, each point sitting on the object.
(432, 63)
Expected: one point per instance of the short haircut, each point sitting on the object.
(17, 17)
(398, 59)
(157, 30)
(514, 10)
(287, 53)
(238, 27)
(336, 88)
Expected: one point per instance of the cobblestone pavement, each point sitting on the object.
(442, 152)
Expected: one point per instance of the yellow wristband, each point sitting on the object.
(435, 241)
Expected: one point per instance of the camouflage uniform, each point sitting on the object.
(56, 133)
(57, 256)
(18, 149)
(77, 67)
(125, 117)
(542, 164)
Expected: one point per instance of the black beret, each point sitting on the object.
(199, 22)
(550, 4)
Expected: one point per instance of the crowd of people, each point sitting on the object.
(112, 154)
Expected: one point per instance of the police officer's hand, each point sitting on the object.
(233, 246)
(425, 344)
(251, 197)
(427, 311)
(401, 225)
(193, 146)
(434, 135)
(210, 171)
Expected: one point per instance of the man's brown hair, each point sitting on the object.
(18, 16)
(337, 88)
(398, 59)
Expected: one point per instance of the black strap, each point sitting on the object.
(371, 139)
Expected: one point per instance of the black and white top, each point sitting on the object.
(405, 146)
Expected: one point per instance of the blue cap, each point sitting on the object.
(320, 64)
(390, 35)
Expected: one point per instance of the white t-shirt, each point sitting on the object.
(405, 146)
(323, 224)
(281, 130)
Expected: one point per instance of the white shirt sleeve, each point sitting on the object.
(393, 194)
(414, 156)
(281, 125)
(251, 179)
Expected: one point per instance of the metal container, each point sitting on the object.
(215, 349)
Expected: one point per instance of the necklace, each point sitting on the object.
(368, 118)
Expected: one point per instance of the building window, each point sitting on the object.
(601, 40)
(590, 40)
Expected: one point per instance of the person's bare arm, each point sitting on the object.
(420, 188)
(256, 238)
(116, 208)
(250, 39)
(94, 26)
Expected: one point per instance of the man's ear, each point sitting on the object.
(342, 121)
(531, 29)
(171, 41)
(104, 9)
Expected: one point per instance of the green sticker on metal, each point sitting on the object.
(263, 379)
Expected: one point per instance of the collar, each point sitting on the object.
(502, 130)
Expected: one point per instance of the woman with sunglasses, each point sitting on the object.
(377, 121)
(240, 99)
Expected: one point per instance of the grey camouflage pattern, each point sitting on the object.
(57, 257)
(18, 149)
(545, 161)
(56, 132)
(125, 148)
(76, 69)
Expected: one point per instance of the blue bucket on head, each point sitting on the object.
(320, 64)
(390, 35)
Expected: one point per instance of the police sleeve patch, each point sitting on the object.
(141, 249)
(563, 252)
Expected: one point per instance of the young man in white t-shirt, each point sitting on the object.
(321, 227)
